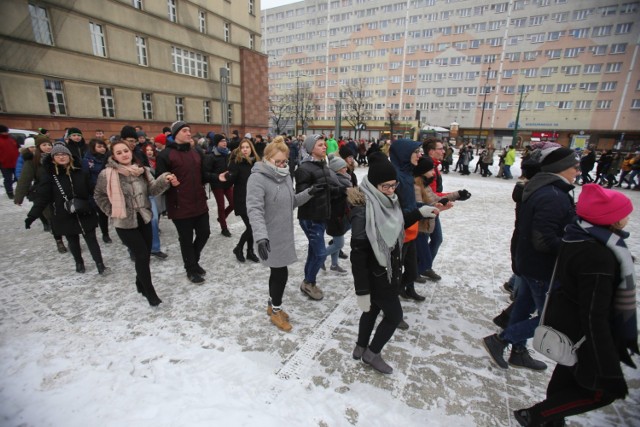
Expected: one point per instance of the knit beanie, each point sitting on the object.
(160, 139)
(425, 164)
(380, 169)
(210, 135)
(29, 142)
(71, 131)
(41, 139)
(310, 142)
(337, 163)
(558, 159)
(345, 152)
(42, 130)
(216, 139)
(176, 126)
(247, 135)
(141, 133)
(128, 132)
(600, 206)
(60, 148)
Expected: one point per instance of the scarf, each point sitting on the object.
(625, 327)
(114, 190)
(223, 151)
(384, 223)
(277, 170)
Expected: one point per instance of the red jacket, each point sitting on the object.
(8, 152)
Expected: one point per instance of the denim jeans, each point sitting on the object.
(334, 249)
(530, 297)
(427, 246)
(155, 232)
(507, 171)
(316, 253)
(8, 176)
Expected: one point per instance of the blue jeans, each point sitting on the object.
(530, 297)
(316, 253)
(424, 254)
(507, 171)
(155, 232)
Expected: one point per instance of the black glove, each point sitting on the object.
(28, 221)
(317, 188)
(263, 249)
(464, 195)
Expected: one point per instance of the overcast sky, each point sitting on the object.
(266, 4)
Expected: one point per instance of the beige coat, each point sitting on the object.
(424, 194)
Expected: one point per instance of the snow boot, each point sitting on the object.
(61, 247)
(251, 255)
(270, 310)
(376, 362)
(357, 352)
(277, 318)
(495, 347)
(521, 358)
(238, 252)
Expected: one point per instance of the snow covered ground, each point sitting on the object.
(81, 349)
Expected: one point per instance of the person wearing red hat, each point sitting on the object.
(160, 141)
(8, 158)
(594, 299)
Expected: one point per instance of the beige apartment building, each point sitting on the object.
(102, 64)
(570, 68)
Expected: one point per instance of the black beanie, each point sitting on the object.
(558, 160)
(128, 132)
(176, 126)
(71, 131)
(425, 164)
(345, 152)
(380, 169)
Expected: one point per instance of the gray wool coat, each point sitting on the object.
(136, 191)
(270, 204)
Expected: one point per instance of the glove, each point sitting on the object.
(464, 195)
(317, 188)
(364, 302)
(28, 221)
(263, 249)
(428, 211)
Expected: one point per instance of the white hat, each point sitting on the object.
(29, 142)
(247, 135)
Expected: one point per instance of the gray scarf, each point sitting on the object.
(384, 223)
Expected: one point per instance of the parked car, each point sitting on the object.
(20, 135)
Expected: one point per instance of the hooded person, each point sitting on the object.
(348, 156)
(594, 299)
(338, 224)
(76, 145)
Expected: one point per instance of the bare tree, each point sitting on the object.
(393, 121)
(356, 105)
(306, 107)
(280, 110)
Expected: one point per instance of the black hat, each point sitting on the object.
(176, 126)
(380, 169)
(425, 164)
(71, 131)
(166, 129)
(345, 152)
(558, 160)
(128, 132)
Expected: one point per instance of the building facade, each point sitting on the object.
(562, 68)
(103, 64)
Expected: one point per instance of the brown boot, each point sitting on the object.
(278, 319)
(270, 311)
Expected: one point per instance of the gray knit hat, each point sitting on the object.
(60, 148)
(336, 163)
(176, 126)
(310, 142)
(558, 159)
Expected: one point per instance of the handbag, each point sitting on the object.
(552, 343)
(75, 205)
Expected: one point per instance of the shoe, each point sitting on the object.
(160, 255)
(278, 319)
(523, 417)
(251, 256)
(431, 275)
(338, 269)
(106, 238)
(10, 195)
(102, 269)
(507, 288)
(194, 277)
(403, 325)
(154, 301)
(270, 311)
(357, 352)
(61, 248)
(495, 346)
(521, 358)
(323, 267)
(342, 255)
(420, 279)
(376, 362)
(139, 287)
(502, 320)
(80, 267)
(198, 269)
(225, 232)
(238, 253)
(403, 294)
(411, 293)
(311, 290)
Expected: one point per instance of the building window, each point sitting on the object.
(564, 87)
(579, 33)
(55, 97)
(608, 86)
(599, 50)
(583, 105)
(179, 108)
(602, 31)
(40, 24)
(589, 87)
(206, 111)
(603, 104)
(172, 11)
(107, 102)
(147, 106)
(202, 21)
(614, 67)
(252, 7)
(618, 48)
(137, 4)
(623, 28)
(592, 69)
(97, 40)
(553, 53)
(565, 105)
(227, 32)
(190, 63)
(252, 41)
(635, 104)
(141, 48)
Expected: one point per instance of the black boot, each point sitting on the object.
(251, 256)
(139, 287)
(106, 238)
(61, 247)
(101, 268)
(238, 252)
(80, 267)
(411, 293)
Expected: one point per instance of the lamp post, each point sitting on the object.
(484, 101)
(514, 138)
(298, 112)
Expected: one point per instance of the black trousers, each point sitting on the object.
(92, 244)
(409, 263)
(388, 302)
(138, 241)
(247, 235)
(277, 282)
(8, 177)
(103, 222)
(190, 247)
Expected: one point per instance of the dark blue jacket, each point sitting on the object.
(92, 165)
(400, 155)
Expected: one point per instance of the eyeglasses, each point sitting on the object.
(386, 187)
(131, 140)
(281, 163)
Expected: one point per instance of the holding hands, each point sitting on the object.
(173, 180)
(428, 211)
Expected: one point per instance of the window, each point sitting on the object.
(623, 28)
(171, 9)
(227, 32)
(613, 67)
(592, 69)
(635, 104)
(529, 72)
(579, 33)
(602, 31)
(555, 35)
(604, 104)
(141, 47)
(179, 108)
(565, 105)
(537, 38)
(252, 7)
(589, 87)
(540, 105)
(202, 21)
(583, 105)
(545, 88)
(629, 8)
(561, 17)
(553, 53)
(548, 71)
(572, 52)
(190, 63)
(206, 111)
(519, 22)
(571, 70)
(507, 74)
(537, 20)
(55, 97)
(97, 39)
(509, 90)
(147, 106)
(580, 15)
(40, 24)
(564, 87)
(137, 4)
(252, 41)
(107, 102)
(599, 50)
(608, 86)
(618, 48)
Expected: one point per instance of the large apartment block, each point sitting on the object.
(101, 64)
(569, 67)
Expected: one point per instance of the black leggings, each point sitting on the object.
(388, 302)
(277, 282)
(410, 263)
(92, 244)
(190, 247)
(138, 241)
(247, 236)
(103, 222)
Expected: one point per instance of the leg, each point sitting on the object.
(185, 237)
(425, 261)
(155, 231)
(203, 231)
(8, 178)
(73, 240)
(218, 194)
(389, 303)
(314, 230)
(228, 193)
(277, 282)
(365, 327)
(93, 245)
(435, 239)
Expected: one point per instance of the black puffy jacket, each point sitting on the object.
(312, 172)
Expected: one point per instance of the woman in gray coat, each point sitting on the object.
(270, 204)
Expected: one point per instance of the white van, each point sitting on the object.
(20, 135)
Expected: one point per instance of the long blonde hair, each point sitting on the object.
(238, 157)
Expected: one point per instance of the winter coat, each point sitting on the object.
(510, 158)
(547, 207)
(582, 305)
(8, 152)
(28, 181)
(78, 151)
(216, 163)
(368, 275)
(338, 224)
(75, 184)
(92, 164)
(587, 162)
(239, 175)
(260, 146)
(312, 172)
(487, 157)
(270, 205)
(604, 162)
(20, 162)
(425, 196)
(136, 191)
(294, 151)
(400, 155)
(187, 200)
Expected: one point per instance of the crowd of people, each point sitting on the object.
(129, 182)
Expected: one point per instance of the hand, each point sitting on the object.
(364, 302)
(263, 249)
(173, 180)
(317, 188)
(223, 177)
(428, 211)
(28, 221)
(464, 195)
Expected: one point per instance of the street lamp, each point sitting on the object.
(514, 138)
(298, 75)
(484, 101)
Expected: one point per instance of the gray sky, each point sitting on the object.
(266, 4)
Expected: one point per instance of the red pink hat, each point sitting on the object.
(600, 206)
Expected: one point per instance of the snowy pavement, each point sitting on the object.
(81, 349)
